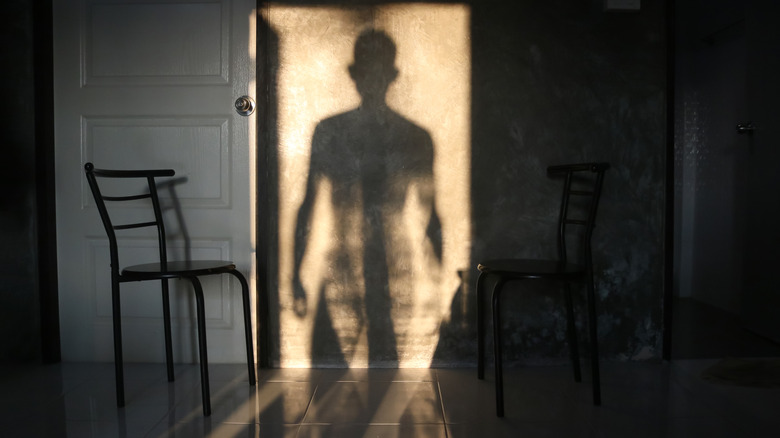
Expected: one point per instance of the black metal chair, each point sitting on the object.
(505, 270)
(162, 270)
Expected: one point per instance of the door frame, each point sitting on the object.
(46, 228)
(265, 191)
(668, 262)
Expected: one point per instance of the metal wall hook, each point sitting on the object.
(745, 128)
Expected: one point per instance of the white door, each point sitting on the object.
(151, 84)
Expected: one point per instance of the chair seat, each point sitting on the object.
(175, 269)
(529, 268)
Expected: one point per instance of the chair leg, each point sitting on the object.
(204, 361)
(250, 354)
(571, 332)
(497, 347)
(594, 342)
(480, 327)
(167, 329)
(119, 374)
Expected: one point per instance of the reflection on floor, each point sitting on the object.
(640, 400)
(702, 331)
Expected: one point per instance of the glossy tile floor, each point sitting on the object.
(703, 331)
(640, 400)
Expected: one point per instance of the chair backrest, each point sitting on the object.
(589, 191)
(150, 192)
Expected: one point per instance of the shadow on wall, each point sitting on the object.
(369, 135)
(384, 162)
(491, 93)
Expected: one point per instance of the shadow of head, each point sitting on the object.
(373, 69)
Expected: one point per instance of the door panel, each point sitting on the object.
(141, 84)
(165, 43)
(761, 291)
(712, 176)
(729, 244)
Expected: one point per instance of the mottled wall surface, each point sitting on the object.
(556, 82)
(547, 82)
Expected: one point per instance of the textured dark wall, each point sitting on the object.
(19, 314)
(551, 82)
(556, 82)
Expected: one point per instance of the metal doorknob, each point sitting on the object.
(745, 128)
(245, 105)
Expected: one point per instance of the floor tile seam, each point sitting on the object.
(374, 381)
(167, 416)
(738, 423)
(678, 367)
(398, 423)
(122, 416)
(715, 400)
(509, 419)
(752, 419)
(52, 400)
(261, 423)
(94, 421)
(138, 404)
(147, 430)
(369, 423)
(286, 381)
(310, 403)
(700, 390)
(646, 417)
(713, 414)
(33, 399)
(80, 385)
(441, 400)
(154, 426)
(144, 434)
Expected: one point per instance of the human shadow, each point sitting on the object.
(367, 163)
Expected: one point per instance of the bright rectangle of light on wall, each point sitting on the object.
(374, 170)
